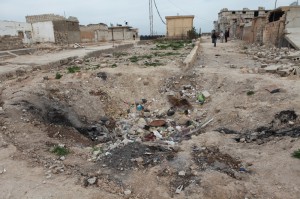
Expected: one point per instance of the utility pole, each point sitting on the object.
(151, 16)
(275, 4)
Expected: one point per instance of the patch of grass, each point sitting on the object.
(60, 151)
(58, 75)
(250, 93)
(119, 54)
(114, 65)
(138, 58)
(174, 45)
(134, 59)
(73, 69)
(155, 63)
(161, 54)
(296, 154)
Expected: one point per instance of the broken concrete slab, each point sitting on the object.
(272, 68)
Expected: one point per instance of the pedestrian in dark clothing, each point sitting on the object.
(214, 38)
(226, 35)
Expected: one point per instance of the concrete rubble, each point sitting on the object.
(281, 61)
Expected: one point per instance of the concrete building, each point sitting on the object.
(283, 27)
(235, 19)
(94, 33)
(54, 28)
(14, 35)
(178, 26)
(122, 33)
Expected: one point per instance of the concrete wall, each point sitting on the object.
(293, 17)
(273, 33)
(258, 25)
(94, 33)
(247, 34)
(43, 18)
(43, 32)
(17, 29)
(178, 26)
(120, 33)
(66, 32)
(10, 42)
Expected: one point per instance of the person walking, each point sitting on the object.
(222, 36)
(214, 38)
(226, 35)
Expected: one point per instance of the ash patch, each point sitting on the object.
(182, 181)
(136, 155)
(211, 158)
(58, 113)
(284, 124)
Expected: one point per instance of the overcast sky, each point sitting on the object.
(135, 12)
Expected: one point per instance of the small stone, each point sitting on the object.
(92, 180)
(62, 158)
(242, 140)
(127, 192)
(181, 173)
(206, 94)
(186, 87)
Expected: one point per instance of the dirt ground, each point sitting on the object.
(164, 151)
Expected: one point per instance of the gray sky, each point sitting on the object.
(135, 12)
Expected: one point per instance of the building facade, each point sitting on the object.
(178, 26)
(14, 35)
(233, 20)
(94, 33)
(116, 33)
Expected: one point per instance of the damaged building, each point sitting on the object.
(54, 28)
(14, 35)
(117, 33)
(94, 33)
(282, 28)
(235, 19)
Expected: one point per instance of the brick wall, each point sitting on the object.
(10, 42)
(66, 32)
(44, 17)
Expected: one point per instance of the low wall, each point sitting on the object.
(191, 58)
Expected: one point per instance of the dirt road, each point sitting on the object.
(231, 157)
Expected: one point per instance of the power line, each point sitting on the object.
(158, 13)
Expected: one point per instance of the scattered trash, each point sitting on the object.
(179, 189)
(76, 45)
(139, 107)
(273, 89)
(179, 103)
(170, 112)
(102, 75)
(157, 123)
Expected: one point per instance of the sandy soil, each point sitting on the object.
(215, 165)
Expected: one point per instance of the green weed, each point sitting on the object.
(250, 93)
(296, 154)
(73, 69)
(58, 75)
(60, 151)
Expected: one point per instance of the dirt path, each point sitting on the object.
(229, 158)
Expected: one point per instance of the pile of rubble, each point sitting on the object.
(165, 128)
(282, 61)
